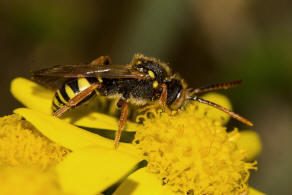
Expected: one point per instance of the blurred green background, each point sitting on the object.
(207, 42)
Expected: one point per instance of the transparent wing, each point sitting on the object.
(104, 71)
(55, 75)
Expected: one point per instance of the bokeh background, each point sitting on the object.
(205, 41)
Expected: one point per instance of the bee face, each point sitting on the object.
(176, 94)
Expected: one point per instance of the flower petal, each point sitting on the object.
(61, 132)
(141, 182)
(253, 191)
(68, 135)
(32, 95)
(90, 171)
(205, 110)
(28, 180)
(250, 142)
(36, 97)
(97, 120)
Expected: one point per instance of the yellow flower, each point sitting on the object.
(194, 155)
(24, 180)
(189, 152)
(17, 134)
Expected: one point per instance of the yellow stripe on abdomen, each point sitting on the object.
(69, 91)
(83, 84)
(61, 97)
(57, 103)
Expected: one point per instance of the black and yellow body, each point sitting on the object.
(135, 91)
(142, 82)
(70, 89)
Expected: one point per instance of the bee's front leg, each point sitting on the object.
(161, 103)
(163, 97)
(123, 119)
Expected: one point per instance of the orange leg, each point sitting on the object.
(163, 97)
(75, 100)
(123, 120)
(102, 60)
(162, 101)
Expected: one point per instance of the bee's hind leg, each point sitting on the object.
(102, 60)
(123, 120)
(77, 99)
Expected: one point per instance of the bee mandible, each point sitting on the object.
(144, 80)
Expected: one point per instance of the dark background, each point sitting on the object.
(205, 41)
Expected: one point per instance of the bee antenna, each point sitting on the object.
(232, 114)
(216, 87)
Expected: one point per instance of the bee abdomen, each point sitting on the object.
(70, 89)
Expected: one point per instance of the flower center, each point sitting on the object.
(22, 145)
(193, 154)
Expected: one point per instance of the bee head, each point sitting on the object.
(156, 69)
(176, 93)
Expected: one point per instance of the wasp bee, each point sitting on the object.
(144, 80)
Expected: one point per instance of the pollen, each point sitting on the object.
(193, 154)
(21, 145)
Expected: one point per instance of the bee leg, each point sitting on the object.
(102, 60)
(162, 101)
(76, 99)
(123, 119)
(163, 96)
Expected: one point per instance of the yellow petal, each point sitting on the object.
(97, 120)
(92, 170)
(211, 112)
(36, 97)
(32, 95)
(141, 182)
(253, 191)
(28, 181)
(68, 135)
(250, 141)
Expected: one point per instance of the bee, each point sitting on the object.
(145, 82)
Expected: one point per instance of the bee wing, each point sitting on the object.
(104, 71)
(50, 82)
(60, 73)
